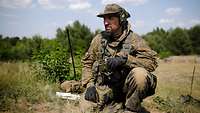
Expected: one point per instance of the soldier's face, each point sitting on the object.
(111, 23)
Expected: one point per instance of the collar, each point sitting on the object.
(121, 38)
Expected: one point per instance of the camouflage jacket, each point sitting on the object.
(140, 54)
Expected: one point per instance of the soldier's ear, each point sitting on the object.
(123, 15)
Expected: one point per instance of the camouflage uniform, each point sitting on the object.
(131, 82)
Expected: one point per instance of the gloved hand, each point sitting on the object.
(113, 63)
(91, 94)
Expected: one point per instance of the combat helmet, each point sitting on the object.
(115, 9)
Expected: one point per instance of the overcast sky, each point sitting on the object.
(30, 17)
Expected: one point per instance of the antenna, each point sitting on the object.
(71, 51)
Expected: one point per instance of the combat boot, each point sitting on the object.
(133, 103)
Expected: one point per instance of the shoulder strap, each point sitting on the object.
(126, 44)
(104, 44)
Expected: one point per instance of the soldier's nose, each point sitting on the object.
(106, 23)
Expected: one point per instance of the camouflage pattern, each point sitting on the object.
(127, 84)
(115, 9)
(141, 55)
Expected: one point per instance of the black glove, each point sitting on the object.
(91, 94)
(113, 63)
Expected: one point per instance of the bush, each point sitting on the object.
(54, 61)
(165, 54)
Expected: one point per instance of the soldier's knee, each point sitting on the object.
(140, 76)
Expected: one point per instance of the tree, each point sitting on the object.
(61, 37)
(22, 49)
(178, 42)
(5, 49)
(194, 35)
(157, 41)
(14, 40)
(80, 37)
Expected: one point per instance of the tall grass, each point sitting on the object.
(19, 84)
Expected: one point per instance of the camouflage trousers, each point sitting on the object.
(138, 85)
(129, 89)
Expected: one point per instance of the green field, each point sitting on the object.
(22, 91)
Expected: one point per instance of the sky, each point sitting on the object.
(43, 17)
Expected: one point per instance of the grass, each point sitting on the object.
(174, 80)
(21, 91)
(20, 88)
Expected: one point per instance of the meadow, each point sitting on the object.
(21, 91)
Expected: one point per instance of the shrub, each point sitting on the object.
(53, 60)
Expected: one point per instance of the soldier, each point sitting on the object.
(118, 64)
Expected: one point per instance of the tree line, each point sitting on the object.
(53, 55)
(176, 41)
(23, 48)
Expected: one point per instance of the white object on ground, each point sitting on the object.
(68, 96)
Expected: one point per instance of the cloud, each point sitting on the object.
(173, 11)
(166, 21)
(134, 2)
(61, 4)
(184, 23)
(53, 4)
(15, 3)
(194, 21)
(79, 5)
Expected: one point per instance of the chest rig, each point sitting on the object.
(109, 51)
(102, 75)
